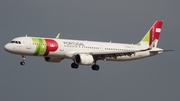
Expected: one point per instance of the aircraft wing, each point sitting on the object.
(101, 55)
(115, 53)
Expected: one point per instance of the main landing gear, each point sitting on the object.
(94, 67)
(23, 60)
(74, 65)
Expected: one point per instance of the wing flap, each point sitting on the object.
(116, 53)
(113, 53)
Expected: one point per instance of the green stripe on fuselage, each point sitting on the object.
(40, 46)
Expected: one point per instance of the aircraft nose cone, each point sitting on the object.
(7, 47)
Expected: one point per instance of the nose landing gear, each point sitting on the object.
(23, 60)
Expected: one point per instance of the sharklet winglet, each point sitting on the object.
(58, 36)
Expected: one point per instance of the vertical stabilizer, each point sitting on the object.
(152, 36)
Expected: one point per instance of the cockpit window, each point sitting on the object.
(17, 42)
(12, 41)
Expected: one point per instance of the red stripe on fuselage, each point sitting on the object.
(52, 46)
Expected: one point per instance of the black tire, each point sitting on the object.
(95, 67)
(74, 65)
(22, 63)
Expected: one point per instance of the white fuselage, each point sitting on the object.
(65, 48)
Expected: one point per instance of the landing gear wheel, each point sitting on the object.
(74, 65)
(22, 63)
(95, 67)
(23, 60)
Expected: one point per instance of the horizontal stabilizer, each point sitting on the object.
(168, 50)
(159, 51)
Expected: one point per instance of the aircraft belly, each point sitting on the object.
(56, 54)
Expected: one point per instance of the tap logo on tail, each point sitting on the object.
(152, 36)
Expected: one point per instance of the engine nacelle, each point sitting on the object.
(84, 59)
(53, 59)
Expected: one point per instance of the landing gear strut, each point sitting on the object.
(74, 65)
(23, 60)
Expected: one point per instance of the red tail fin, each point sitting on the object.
(152, 36)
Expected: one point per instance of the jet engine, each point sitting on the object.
(84, 59)
(53, 59)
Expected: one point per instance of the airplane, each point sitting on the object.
(84, 52)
